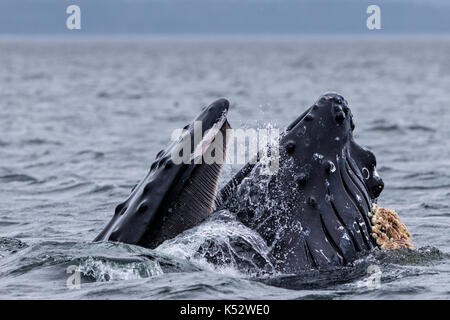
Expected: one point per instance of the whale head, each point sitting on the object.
(314, 212)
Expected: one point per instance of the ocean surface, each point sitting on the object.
(82, 119)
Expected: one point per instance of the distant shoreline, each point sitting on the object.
(69, 36)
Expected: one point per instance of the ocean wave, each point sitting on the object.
(40, 141)
(411, 257)
(11, 245)
(104, 269)
(92, 153)
(420, 187)
(392, 127)
(72, 189)
(437, 206)
(171, 275)
(95, 261)
(16, 177)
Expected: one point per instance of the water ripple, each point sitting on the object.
(18, 178)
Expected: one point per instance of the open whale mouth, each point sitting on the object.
(175, 196)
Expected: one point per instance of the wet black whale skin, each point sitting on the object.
(313, 213)
(139, 219)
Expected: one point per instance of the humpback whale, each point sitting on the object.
(314, 213)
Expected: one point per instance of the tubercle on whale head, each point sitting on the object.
(329, 119)
(158, 208)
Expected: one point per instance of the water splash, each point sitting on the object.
(221, 244)
(101, 270)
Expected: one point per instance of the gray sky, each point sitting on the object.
(224, 16)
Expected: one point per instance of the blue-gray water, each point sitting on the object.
(81, 121)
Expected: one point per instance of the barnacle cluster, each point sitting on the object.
(389, 232)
